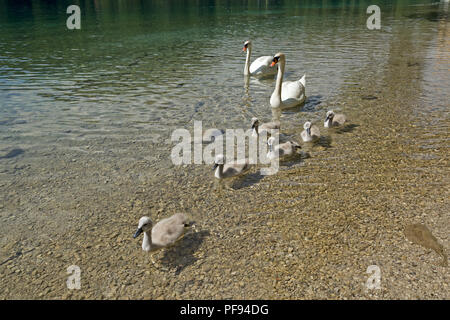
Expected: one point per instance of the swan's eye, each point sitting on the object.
(275, 59)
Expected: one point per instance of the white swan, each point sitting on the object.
(334, 120)
(288, 93)
(165, 233)
(260, 67)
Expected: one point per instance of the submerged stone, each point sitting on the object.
(421, 235)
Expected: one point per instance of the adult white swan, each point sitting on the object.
(288, 93)
(260, 67)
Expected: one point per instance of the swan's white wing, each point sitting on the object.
(291, 89)
(262, 66)
(292, 93)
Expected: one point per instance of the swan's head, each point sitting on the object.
(255, 122)
(307, 127)
(247, 44)
(145, 224)
(220, 159)
(277, 58)
(330, 115)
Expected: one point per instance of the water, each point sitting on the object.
(86, 118)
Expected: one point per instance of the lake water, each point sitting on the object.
(86, 118)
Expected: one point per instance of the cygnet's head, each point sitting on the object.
(271, 142)
(255, 122)
(247, 44)
(307, 127)
(145, 224)
(330, 115)
(220, 159)
(277, 58)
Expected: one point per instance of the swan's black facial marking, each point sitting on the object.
(330, 116)
(275, 60)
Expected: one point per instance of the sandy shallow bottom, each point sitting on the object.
(308, 232)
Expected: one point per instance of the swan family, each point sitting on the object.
(286, 94)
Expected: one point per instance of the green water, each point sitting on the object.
(86, 118)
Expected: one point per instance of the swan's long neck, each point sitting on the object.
(255, 132)
(219, 171)
(247, 61)
(147, 242)
(280, 78)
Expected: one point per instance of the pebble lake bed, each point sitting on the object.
(82, 159)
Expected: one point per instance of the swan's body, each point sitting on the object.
(334, 120)
(287, 93)
(165, 233)
(311, 132)
(260, 67)
(229, 170)
(281, 150)
(267, 128)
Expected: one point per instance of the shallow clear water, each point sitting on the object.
(143, 70)
(86, 115)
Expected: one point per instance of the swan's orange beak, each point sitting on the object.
(273, 63)
(244, 48)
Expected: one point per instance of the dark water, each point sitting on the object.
(86, 115)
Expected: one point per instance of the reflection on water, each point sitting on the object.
(86, 118)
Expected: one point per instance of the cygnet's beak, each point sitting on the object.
(137, 233)
(215, 166)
